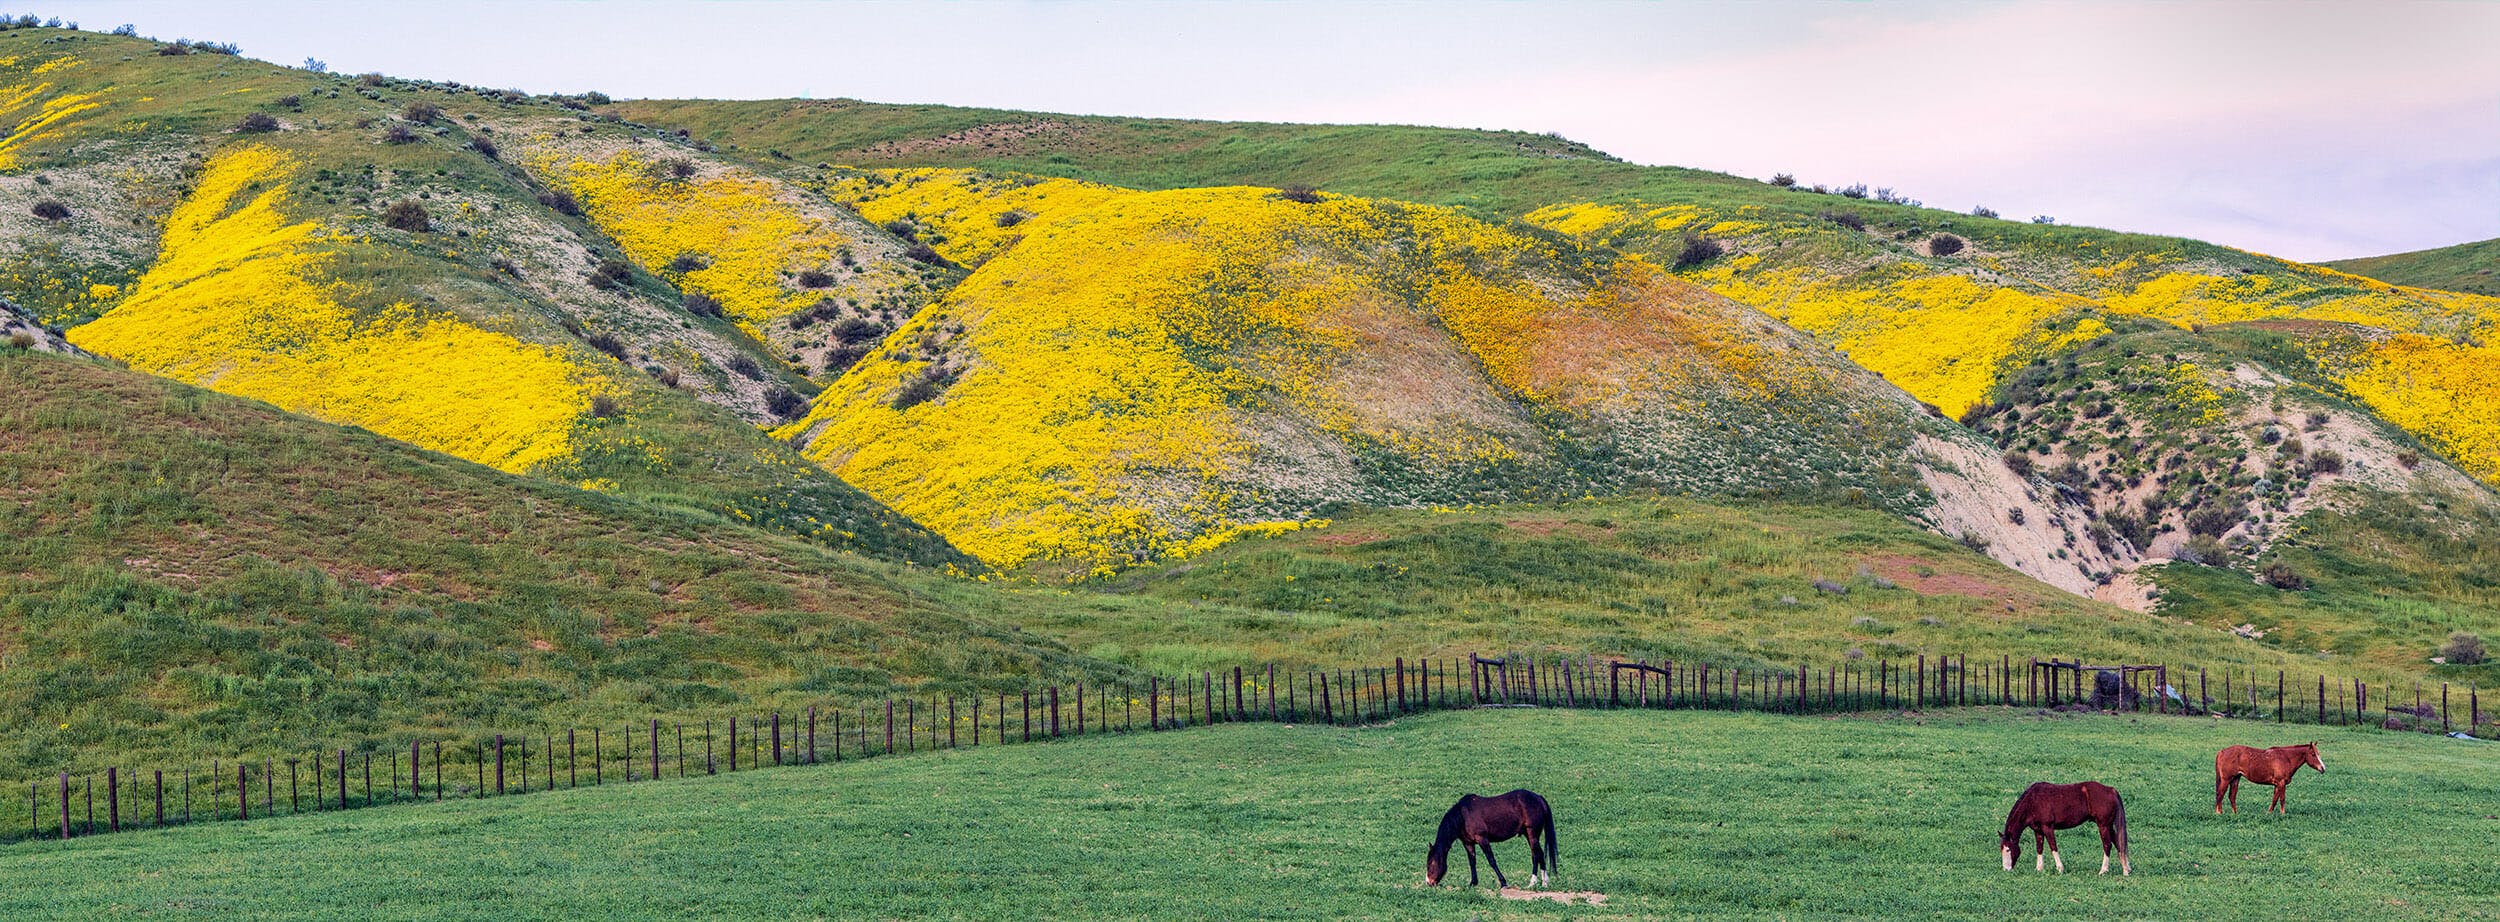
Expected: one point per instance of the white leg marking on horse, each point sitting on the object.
(2104, 864)
(2061, 861)
(2039, 862)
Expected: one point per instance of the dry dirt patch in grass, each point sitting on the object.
(1565, 897)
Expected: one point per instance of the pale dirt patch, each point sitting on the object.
(1565, 897)
(1975, 495)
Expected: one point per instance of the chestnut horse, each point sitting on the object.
(2264, 766)
(2046, 808)
(1481, 821)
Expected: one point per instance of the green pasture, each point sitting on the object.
(1668, 814)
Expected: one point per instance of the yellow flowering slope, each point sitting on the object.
(965, 215)
(2446, 393)
(38, 113)
(749, 242)
(236, 303)
(1151, 375)
(1945, 329)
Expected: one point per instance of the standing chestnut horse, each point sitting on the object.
(1481, 821)
(2045, 808)
(2264, 766)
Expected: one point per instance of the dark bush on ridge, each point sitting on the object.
(1698, 250)
(407, 215)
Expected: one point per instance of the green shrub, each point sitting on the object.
(50, 210)
(2463, 649)
(1944, 245)
(257, 122)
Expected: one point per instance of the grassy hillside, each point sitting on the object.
(2473, 267)
(359, 249)
(188, 575)
(1699, 815)
(1729, 584)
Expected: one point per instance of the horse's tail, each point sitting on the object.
(1552, 857)
(2120, 809)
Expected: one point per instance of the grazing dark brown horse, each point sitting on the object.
(1481, 821)
(2264, 766)
(2046, 808)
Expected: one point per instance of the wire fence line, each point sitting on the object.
(516, 763)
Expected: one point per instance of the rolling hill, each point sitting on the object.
(1056, 383)
(2472, 267)
(190, 574)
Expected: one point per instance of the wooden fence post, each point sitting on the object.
(1028, 716)
(1080, 709)
(889, 724)
(1271, 692)
(776, 737)
(160, 791)
(1154, 703)
(2443, 707)
(1327, 703)
(655, 747)
(1054, 712)
(64, 805)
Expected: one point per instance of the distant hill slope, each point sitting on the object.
(364, 250)
(1857, 273)
(1142, 375)
(2473, 267)
(187, 572)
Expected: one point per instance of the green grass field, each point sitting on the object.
(1669, 814)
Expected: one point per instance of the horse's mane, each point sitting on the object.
(2014, 820)
(1453, 825)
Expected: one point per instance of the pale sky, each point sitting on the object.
(2309, 130)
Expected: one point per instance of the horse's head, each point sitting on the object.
(2011, 844)
(1435, 865)
(2309, 756)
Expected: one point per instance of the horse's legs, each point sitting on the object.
(2054, 857)
(1498, 880)
(1471, 861)
(2235, 794)
(2039, 848)
(2219, 783)
(2278, 797)
(1536, 859)
(2108, 842)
